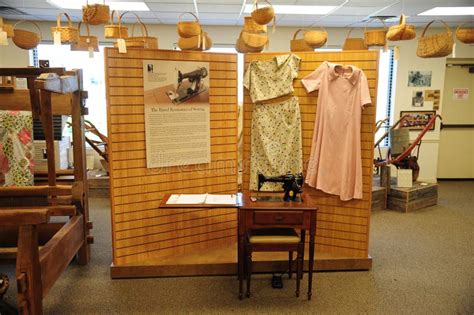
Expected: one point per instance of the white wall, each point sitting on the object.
(280, 41)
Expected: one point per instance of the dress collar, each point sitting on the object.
(334, 75)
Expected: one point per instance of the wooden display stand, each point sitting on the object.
(43, 250)
(413, 198)
(148, 241)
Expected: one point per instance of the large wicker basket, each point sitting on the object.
(437, 45)
(115, 30)
(69, 33)
(188, 29)
(85, 43)
(254, 40)
(251, 26)
(375, 36)
(241, 47)
(8, 28)
(26, 39)
(299, 44)
(143, 41)
(402, 31)
(465, 34)
(353, 43)
(315, 38)
(95, 14)
(263, 15)
(199, 43)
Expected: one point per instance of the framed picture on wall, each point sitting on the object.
(417, 120)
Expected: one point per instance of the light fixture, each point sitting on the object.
(120, 6)
(297, 9)
(449, 11)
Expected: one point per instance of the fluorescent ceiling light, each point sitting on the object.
(120, 6)
(449, 11)
(297, 9)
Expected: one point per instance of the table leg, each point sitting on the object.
(241, 259)
(311, 255)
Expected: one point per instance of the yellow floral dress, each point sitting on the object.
(276, 146)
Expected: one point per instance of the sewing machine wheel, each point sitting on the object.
(4, 284)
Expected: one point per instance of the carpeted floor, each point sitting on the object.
(423, 264)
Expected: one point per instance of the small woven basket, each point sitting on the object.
(315, 38)
(263, 15)
(402, 31)
(242, 48)
(375, 37)
(95, 14)
(69, 33)
(85, 43)
(250, 26)
(353, 43)
(437, 45)
(299, 44)
(254, 40)
(465, 35)
(8, 28)
(26, 39)
(199, 43)
(188, 29)
(115, 30)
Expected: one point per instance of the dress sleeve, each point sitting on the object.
(312, 81)
(364, 91)
(247, 77)
(295, 66)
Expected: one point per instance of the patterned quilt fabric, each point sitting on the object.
(16, 148)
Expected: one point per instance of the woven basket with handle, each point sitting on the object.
(188, 29)
(465, 34)
(85, 43)
(299, 44)
(69, 33)
(402, 31)
(115, 30)
(437, 45)
(254, 40)
(143, 41)
(353, 43)
(198, 43)
(241, 47)
(264, 14)
(375, 36)
(251, 26)
(8, 28)
(315, 38)
(95, 14)
(26, 39)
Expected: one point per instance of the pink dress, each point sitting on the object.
(335, 164)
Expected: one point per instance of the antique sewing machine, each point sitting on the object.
(189, 85)
(292, 186)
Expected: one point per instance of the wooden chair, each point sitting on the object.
(276, 240)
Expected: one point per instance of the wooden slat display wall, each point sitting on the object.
(343, 227)
(140, 230)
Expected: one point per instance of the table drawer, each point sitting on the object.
(278, 217)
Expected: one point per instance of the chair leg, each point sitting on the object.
(299, 268)
(290, 263)
(249, 267)
(303, 235)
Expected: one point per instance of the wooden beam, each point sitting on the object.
(62, 85)
(59, 190)
(20, 100)
(15, 216)
(29, 72)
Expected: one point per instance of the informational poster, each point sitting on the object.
(177, 114)
(432, 98)
(460, 94)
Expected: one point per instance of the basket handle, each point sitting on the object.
(255, 4)
(58, 19)
(180, 16)
(457, 29)
(428, 25)
(32, 22)
(87, 2)
(384, 25)
(87, 28)
(139, 21)
(402, 19)
(297, 31)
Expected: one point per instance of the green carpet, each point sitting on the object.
(423, 264)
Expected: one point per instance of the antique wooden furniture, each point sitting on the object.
(42, 249)
(271, 214)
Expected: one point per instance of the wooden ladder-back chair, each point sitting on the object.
(43, 249)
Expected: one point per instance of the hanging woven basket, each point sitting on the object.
(353, 43)
(198, 43)
(26, 39)
(437, 45)
(375, 36)
(69, 33)
(465, 34)
(85, 43)
(95, 14)
(299, 44)
(188, 29)
(315, 38)
(115, 30)
(143, 41)
(254, 40)
(250, 26)
(402, 31)
(8, 28)
(264, 14)
(242, 48)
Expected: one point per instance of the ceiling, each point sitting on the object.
(228, 12)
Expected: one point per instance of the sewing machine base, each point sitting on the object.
(274, 199)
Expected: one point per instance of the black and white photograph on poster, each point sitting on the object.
(419, 78)
(418, 99)
(177, 114)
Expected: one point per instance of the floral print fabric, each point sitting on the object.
(16, 148)
(276, 145)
